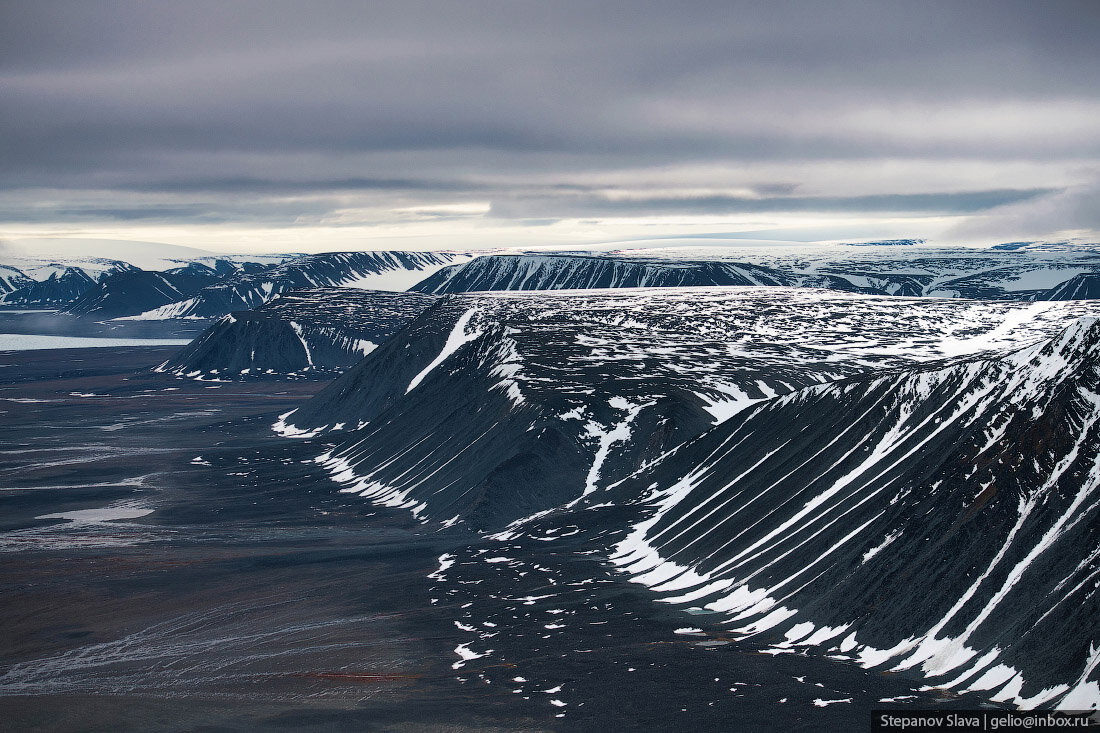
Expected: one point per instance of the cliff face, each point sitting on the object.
(567, 272)
(1085, 286)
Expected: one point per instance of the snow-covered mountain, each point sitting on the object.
(553, 377)
(906, 483)
(1079, 287)
(12, 278)
(312, 333)
(365, 270)
(566, 271)
(134, 291)
(1022, 271)
(206, 287)
(879, 269)
(59, 289)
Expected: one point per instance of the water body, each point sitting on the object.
(29, 342)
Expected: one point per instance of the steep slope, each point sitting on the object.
(59, 289)
(564, 272)
(564, 393)
(135, 291)
(1079, 287)
(876, 283)
(12, 278)
(349, 269)
(1026, 281)
(873, 270)
(305, 333)
(942, 520)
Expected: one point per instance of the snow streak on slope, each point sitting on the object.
(559, 272)
(12, 278)
(1028, 273)
(939, 519)
(60, 288)
(565, 393)
(459, 337)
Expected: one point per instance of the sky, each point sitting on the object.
(433, 125)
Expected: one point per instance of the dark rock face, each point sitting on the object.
(135, 291)
(12, 278)
(246, 290)
(943, 520)
(905, 286)
(56, 290)
(564, 272)
(1085, 286)
(952, 274)
(312, 333)
(930, 515)
(193, 276)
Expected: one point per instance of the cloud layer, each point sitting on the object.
(388, 114)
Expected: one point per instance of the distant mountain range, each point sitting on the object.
(349, 269)
(984, 274)
(211, 287)
(209, 290)
(58, 290)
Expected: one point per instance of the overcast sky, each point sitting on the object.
(459, 124)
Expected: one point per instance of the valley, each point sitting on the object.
(557, 508)
(199, 570)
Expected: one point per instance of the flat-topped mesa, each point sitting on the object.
(567, 272)
(947, 273)
(311, 333)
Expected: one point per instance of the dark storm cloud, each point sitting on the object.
(260, 98)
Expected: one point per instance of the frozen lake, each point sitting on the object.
(31, 342)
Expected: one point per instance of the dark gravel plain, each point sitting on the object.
(254, 595)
